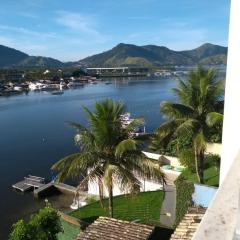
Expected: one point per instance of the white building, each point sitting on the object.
(146, 185)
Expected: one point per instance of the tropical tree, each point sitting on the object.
(109, 153)
(44, 225)
(198, 111)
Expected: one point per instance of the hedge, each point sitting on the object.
(184, 190)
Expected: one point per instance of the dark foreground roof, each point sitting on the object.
(112, 229)
(189, 224)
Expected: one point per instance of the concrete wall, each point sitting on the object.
(145, 186)
(214, 148)
(173, 161)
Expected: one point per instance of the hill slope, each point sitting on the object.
(151, 55)
(10, 57)
(121, 55)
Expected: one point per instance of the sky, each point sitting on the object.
(70, 30)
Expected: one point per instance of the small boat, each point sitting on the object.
(57, 93)
(107, 83)
(17, 88)
(36, 86)
(75, 83)
(126, 119)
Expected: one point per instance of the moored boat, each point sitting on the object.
(57, 93)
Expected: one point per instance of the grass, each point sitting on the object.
(211, 176)
(70, 231)
(144, 206)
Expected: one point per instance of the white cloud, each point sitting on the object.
(22, 45)
(77, 22)
(177, 35)
(82, 26)
(26, 31)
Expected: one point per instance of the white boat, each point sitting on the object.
(32, 86)
(36, 86)
(17, 88)
(75, 84)
(62, 85)
(126, 119)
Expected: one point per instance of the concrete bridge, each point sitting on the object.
(118, 71)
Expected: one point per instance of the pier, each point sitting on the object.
(28, 183)
(49, 187)
(42, 189)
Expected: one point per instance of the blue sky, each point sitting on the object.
(73, 29)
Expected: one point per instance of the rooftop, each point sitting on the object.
(105, 228)
(189, 224)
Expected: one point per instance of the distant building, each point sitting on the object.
(117, 71)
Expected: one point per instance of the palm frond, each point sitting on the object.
(175, 110)
(187, 128)
(125, 146)
(214, 118)
(135, 123)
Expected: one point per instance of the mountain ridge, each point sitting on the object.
(121, 55)
(157, 55)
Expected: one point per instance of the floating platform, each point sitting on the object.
(61, 187)
(28, 183)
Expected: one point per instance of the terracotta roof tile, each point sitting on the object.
(189, 224)
(112, 229)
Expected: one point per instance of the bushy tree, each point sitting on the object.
(45, 225)
(195, 115)
(109, 153)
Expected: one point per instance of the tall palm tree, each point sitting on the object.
(109, 154)
(198, 110)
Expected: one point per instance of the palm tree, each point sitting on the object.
(198, 111)
(109, 154)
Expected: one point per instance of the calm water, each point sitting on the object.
(26, 120)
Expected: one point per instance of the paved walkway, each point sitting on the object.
(169, 206)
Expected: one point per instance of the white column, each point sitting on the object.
(231, 125)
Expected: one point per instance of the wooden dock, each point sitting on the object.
(28, 183)
(62, 187)
(42, 189)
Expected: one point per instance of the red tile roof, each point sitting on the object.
(189, 224)
(112, 229)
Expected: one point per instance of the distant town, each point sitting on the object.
(16, 81)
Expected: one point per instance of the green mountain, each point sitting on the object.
(10, 57)
(121, 55)
(40, 62)
(151, 55)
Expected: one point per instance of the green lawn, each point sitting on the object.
(144, 207)
(211, 176)
(70, 231)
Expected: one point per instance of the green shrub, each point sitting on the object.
(91, 199)
(186, 158)
(184, 190)
(212, 160)
(45, 225)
